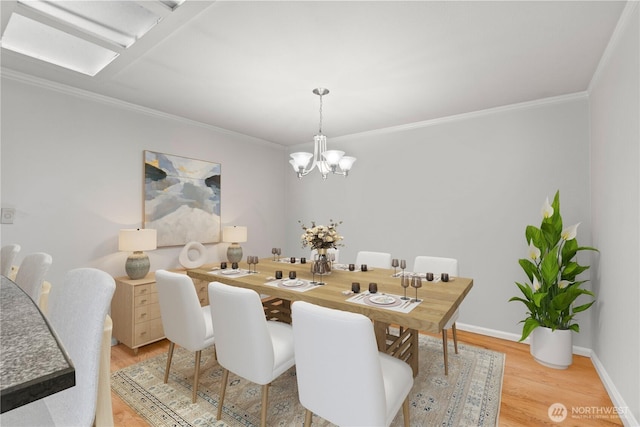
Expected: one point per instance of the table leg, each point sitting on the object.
(404, 346)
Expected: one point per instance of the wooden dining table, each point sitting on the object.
(439, 300)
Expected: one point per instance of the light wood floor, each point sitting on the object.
(527, 391)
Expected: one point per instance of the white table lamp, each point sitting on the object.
(234, 234)
(136, 241)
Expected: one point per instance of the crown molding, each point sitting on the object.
(466, 116)
(118, 103)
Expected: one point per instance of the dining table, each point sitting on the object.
(33, 362)
(397, 322)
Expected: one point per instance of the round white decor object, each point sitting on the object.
(187, 260)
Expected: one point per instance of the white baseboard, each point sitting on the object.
(580, 351)
(618, 402)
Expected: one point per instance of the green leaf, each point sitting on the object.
(575, 327)
(583, 307)
(550, 267)
(537, 298)
(529, 268)
(529, 325)
(533, 234)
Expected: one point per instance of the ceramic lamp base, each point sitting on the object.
(234, 253)
(137, 265)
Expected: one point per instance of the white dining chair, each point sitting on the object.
(184, 320)
(373, 259)
(342, 377)
(31, 273)
(247, 344)
(78, 307)
(438, 265)
(8, 255)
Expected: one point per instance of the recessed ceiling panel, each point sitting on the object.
(34, 39)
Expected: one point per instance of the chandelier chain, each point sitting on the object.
(320, 125)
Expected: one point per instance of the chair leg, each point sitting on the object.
(444, 351)
(223, 389)
(196, 377)
(455, 337)
(169, 356)
(405, 412)
(307, 418)
(265, 400)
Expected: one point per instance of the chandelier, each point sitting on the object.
(326, 161)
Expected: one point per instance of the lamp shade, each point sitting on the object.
(134, 240)
(234, 234)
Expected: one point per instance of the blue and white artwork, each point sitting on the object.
(181, 199)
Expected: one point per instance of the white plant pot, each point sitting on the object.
(553, 349)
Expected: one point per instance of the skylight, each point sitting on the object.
(84, 36)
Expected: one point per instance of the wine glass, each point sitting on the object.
(404, 282)
(416, 282)
(256, 259)
(278, 252)
(273, 252)
(250, 259)
(403, 265)
(395, 263)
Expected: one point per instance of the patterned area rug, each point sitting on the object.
(468, 396)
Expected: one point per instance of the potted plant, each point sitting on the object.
(553, 288)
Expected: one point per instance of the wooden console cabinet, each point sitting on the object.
(135, 311)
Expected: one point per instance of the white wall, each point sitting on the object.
(464, 188)
(615, 191)
(72, 167)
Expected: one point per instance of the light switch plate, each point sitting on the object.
(7, 215)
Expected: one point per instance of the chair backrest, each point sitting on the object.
(180, 310)
(7, 256)
(334, 251)
(243, 343)
(373, 259)
(31, 274)
(436, 265)
(78, 306)
(338, 366)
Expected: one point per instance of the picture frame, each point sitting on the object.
(182, 199)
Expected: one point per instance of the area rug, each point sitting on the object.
(468, 396)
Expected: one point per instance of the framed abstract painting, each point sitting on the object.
(181, 199)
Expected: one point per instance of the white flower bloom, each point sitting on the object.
(563, 284)
(534, 252)
(570, 233)
(547, 209)
(536, 284)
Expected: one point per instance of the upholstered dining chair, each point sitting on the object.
(437, 265)
(8, 255)
(373, 259)
(342, 377)
(184, 320)
(247, 344)
(31, 274)
(78, 307)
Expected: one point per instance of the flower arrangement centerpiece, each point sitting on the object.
(321, 236)
(552, 270)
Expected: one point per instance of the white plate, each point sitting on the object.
(292, 283)
(382, 299)
(230, 272)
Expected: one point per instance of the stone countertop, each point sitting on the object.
(33, 363)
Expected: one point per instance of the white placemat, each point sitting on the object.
(227, 272)
(298, 285)
(400, 305)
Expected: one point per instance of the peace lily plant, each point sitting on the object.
(552, 288)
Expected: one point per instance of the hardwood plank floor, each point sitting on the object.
(528, 388)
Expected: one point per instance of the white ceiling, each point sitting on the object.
(250, 67)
